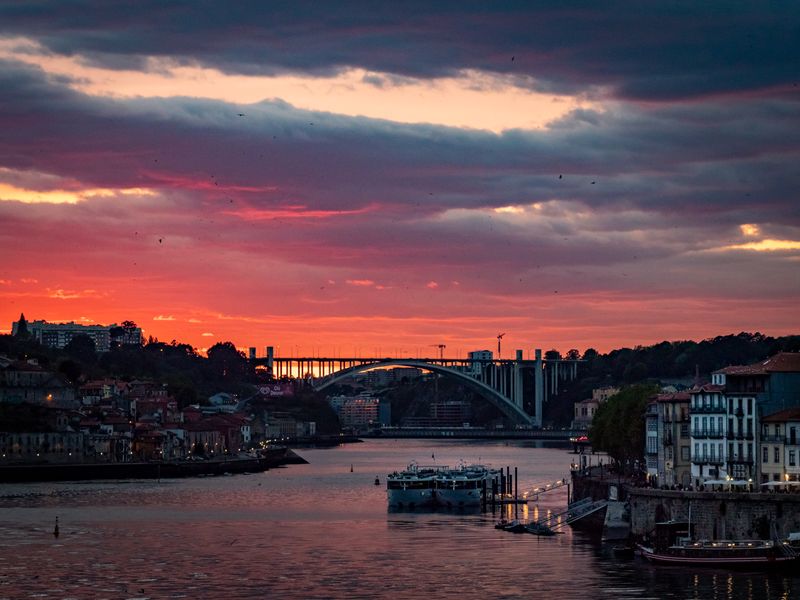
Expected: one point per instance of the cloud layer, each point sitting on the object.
(658, 201)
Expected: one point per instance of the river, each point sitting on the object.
(323, 531)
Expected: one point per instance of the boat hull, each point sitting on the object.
(767, 561)
(412, 498)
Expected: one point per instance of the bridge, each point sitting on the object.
(517, 387)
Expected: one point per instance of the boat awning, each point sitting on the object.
(780, 483)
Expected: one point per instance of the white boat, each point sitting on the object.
(463, 486)
(431, 486)
(414, 487)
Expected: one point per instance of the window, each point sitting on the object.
(750, 406)
(793, 435)
(685, 453)
(696, 450)
(713, 451)
(766, 454)
(684, 430)
(777, 453)
(705, 450)
(792, 457)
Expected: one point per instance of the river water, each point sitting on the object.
(322, 531)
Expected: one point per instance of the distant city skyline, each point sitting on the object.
(329, 180)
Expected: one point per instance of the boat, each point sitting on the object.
(463, 486)
(723, 553)
(541, 529)
(514, 526)
(421, 486)
(414, 487)
(671, 549)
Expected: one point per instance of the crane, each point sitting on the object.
(499, 337)
(441, 348)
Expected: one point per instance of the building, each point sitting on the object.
(602, 394)
(674, 447)
(780, 446)
(584, 413)
(359, 412)
(727, 420)
(651, 441)
(584, 410)
(27, 381)
(58, 335)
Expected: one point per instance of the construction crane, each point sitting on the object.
(441, 348)
(499, 337)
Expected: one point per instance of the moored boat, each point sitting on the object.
(414, 487)
(439, 486)
(723, 553)
(671, 548)
(463, 486)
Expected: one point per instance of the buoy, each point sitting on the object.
(351, 467)
(55, 529)
(377, 481)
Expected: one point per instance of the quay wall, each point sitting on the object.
(716, 515)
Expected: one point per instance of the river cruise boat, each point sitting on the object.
(755, 554)
(464, 486)
(414, 487)
(724, 553)
(421, 486)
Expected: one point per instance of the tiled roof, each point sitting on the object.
(707, 387)
(783, 362)
(790, 414)
(674, 397)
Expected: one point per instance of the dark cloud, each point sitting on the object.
(654, 52)
(730, 161)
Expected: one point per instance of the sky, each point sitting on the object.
(378, 179)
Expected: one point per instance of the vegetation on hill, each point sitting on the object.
(192, 378)
(618, 424)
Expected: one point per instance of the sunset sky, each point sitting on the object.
(340, 178)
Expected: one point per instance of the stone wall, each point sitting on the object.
(716, 515)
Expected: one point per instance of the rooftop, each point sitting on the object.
(783, 362)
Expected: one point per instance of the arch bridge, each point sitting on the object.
(504, 383)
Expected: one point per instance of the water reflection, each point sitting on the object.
(322, 531)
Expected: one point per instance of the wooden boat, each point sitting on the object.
(723, 553)
(514, 526)
(540, 529)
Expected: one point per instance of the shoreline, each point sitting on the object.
(271, 458)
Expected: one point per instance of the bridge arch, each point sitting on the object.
(508, 408)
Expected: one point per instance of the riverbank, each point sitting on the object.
(270, 458)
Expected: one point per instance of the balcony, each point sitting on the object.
(708, 409)
(776, 439)
(707, 459)
(707, 433)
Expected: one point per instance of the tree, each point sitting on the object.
(618, 425)
(573, 354)
(70, 369)
(22, 327)
(82, 348)
(226, 362)
(552, 355)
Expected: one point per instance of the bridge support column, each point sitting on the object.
(517, 391)
(538, 388)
